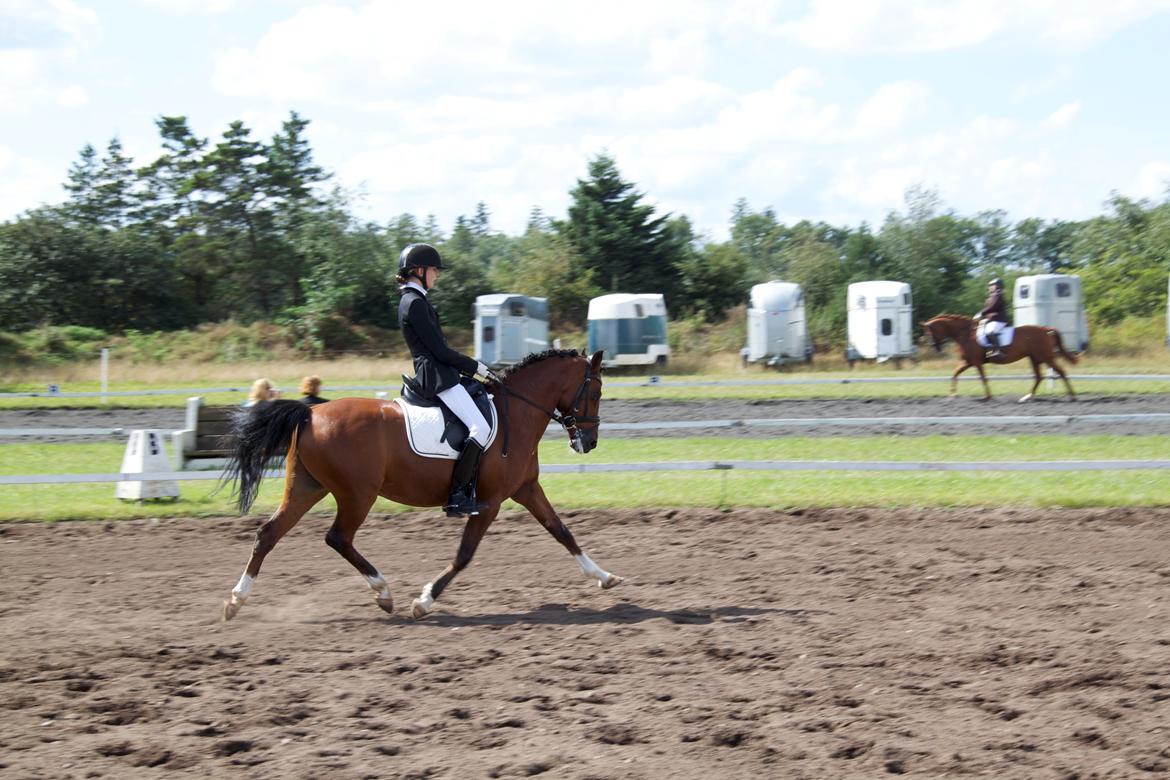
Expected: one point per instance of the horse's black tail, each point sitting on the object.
(1069, 356)
(261, 433)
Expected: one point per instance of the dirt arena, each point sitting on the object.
(744, 644)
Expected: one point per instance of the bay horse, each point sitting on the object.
(1038, 343)
(357, 449)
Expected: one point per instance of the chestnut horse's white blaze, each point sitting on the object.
(356, 449)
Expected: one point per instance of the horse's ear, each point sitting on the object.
(595, 361)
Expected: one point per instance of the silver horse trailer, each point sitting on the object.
(1053, 300)
(777, 331)
(508, 327)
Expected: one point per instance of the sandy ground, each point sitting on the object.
(745, 644)
(1055, 407)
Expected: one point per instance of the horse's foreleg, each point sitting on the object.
(531, 496)
(473, 532)
(955, 377)
(1037, 376)
(986, 385)
(351, 513)
(301, 492)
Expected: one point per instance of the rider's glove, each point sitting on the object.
(481, 369)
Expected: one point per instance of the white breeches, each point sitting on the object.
(986, 327)
(460, 403)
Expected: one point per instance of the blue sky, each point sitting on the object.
(822, 109)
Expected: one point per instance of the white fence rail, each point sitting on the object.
(651, 381)
(1065, 420)
(692, 465)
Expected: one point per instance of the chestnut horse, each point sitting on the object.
(357, 449)
(1038, 343)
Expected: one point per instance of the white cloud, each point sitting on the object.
(1152, 181)
(27, 183)
(891, 107)
(1063, 116)
(40, 40)
(192, 6)
(905, 26)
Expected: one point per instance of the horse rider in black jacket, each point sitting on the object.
(437, 368)
(994, 315)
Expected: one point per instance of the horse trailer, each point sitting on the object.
(1055, 301)
(880, 322)
(777, 332)
(631, 328)
(508, 327)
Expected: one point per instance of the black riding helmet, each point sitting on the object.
(419, 256)
(997, 283)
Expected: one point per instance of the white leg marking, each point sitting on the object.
(1026, 398)
(379, 585)
(591, 569)
(242, 590)
(422, 605)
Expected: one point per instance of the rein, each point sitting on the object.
(570, 422)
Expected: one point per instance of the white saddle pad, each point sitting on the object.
(424, 426)
(1005, 336)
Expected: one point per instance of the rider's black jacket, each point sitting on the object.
(436, 365)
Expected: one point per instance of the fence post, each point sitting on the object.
(105, 374)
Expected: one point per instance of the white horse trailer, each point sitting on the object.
(880, 321)
(777, 332)
(508, 327)
(1168, 315)
(1055, 301)
(631, 328)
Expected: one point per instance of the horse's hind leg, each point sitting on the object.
(301, 492)
(351, 513)
(473, 531)
(1067, 385)
(1037, 377)
(531, 496)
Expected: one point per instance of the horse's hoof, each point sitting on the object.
(1025, 399)
(417, 610)
(387, 605)
(613, 581)
(230, 609)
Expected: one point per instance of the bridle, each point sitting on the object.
(573, 422)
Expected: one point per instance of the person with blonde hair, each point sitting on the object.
(310, 386)
(262, 390)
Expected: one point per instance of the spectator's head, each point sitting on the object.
(262, 390)
(310, 385)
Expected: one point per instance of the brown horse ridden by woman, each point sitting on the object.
(1035, 342)
(357, 449)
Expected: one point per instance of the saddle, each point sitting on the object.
(1004, 336)
(432, 429)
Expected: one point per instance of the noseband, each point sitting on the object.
(572, 422)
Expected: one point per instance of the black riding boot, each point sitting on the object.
(993, 340)
(462, 499)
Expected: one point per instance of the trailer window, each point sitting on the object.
(638, 310)
(489, 333)
(1025, 291)
(516, 309)
(1063, 289)
(887, 326)
(861, 301)
(906, 299)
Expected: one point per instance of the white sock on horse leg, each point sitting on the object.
(243, 589)
(590, 568)
(378, 584)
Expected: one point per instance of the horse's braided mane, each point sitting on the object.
(537, 357)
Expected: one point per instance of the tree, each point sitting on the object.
(713, 279)
(627, 248)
